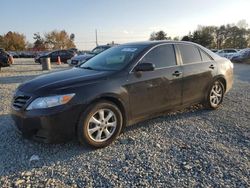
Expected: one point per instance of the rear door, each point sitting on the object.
(156, 90)
(198, 71)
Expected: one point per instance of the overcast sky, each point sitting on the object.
(117, 20)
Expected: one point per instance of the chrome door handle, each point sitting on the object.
(211, 66)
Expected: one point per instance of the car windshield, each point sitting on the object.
(114, 58)
(98, 50)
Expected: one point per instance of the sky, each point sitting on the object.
(117, 20)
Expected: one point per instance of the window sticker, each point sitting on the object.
(129, 49)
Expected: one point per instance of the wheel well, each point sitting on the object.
(219, 78)
(223, 81)
(118, 103)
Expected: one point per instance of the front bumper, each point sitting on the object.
(53, 125)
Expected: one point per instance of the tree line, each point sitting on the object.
(213, 37)
(14, 41)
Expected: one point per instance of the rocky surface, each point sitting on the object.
(191, 147)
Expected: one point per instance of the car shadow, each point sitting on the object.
(192, 111)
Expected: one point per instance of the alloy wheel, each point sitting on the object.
(216, 94)
(102, 125)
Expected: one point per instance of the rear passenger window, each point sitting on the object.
(205, 57)
(161, 56)
(189, 54)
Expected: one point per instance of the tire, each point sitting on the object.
(97, 121)
(215, 95)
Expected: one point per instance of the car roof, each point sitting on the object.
(63, 50)
(104, 46)
(156, 42)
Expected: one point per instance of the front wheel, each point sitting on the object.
(100, 124)
(215, 95)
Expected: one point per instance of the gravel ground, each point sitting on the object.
(194, 147)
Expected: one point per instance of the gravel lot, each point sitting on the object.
(192, 147)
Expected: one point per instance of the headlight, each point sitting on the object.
(51, 101)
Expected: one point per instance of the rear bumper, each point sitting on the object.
(49, 125)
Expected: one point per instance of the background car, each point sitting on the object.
(242, 56)
(214, 50)
(5, 59)
(13, 54)
(227, 53)
(63, 54)
(82, 58)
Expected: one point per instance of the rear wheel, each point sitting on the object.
(215, 95)
(100, 124)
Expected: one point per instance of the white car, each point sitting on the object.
(227, 53)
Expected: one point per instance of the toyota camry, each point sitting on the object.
(119, 87)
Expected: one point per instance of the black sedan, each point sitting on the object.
(63, 54)
(119, 87)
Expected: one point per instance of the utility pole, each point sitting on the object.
(96, 40)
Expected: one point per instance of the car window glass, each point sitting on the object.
(161, 56)
(204, 56)
(189, 54)
(114, 58)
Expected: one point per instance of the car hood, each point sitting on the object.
(52, 82)
(82, 57)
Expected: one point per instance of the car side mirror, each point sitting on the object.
(145, 67)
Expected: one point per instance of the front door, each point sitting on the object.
(158, 90)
